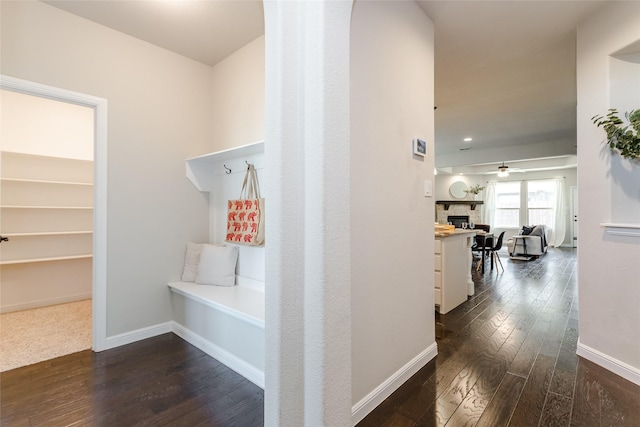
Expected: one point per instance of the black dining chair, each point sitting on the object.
(477, 241)
(481, 244)
(494, 251)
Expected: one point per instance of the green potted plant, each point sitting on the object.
(621, 137)
(474, 191)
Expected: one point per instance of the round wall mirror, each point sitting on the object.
(457, 190)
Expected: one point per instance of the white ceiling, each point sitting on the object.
(204, 30)
(505, 75)
(505, 70)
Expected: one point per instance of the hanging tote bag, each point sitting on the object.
(245, 216)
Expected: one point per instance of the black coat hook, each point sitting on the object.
(228, 170)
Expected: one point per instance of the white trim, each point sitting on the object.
(100, 191)
(233, 362)
(624, 230)
(391, 384)
(45, 303)
(622, 369)
(137, 335)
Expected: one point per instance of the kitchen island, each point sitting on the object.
(453, 281)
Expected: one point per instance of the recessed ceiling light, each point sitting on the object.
(468, 139)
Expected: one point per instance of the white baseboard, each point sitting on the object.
(137, 335)
(45, 303)
(391, 384)
(627, 372)
(245, 369)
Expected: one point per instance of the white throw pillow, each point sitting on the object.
(217, 265)
(191, 261)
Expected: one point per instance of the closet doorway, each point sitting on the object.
(50, 210)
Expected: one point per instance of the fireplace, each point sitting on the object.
(457, 220)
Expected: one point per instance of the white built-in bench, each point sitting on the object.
(225, 322)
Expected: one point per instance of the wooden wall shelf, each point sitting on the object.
(447, 203)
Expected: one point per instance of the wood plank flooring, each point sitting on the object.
(162, 381)
(506, 357)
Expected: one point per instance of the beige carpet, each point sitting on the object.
(31, 336)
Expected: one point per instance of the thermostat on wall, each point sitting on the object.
(419, 147)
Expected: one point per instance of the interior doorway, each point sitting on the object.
(98, 110)
(46, 223)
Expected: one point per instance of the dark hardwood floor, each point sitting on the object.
(162, 381)
(506, 357)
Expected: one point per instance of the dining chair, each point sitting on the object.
(494, 251)
(481, 244)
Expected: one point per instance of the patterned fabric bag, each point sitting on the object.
(245, 217)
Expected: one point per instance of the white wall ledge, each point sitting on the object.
(621, 229)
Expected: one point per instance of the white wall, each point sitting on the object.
(238, 119)
(608, 266)
(392, 242)
(624, 95)
(159, 114)
(35, 125)
(238, 97)
(443, 182)
(308, 262)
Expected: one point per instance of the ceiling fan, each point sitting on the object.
(503, 171)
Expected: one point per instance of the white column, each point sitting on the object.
(308, 320)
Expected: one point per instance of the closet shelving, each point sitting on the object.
(50, 233)
(47, 259)
(46, 210)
